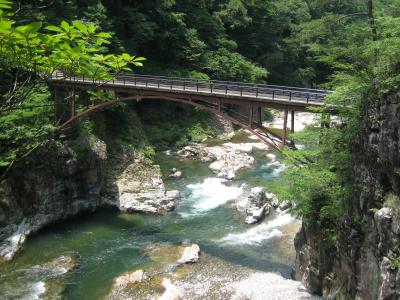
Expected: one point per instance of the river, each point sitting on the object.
(108, 243)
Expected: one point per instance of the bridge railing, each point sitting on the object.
(247, 90)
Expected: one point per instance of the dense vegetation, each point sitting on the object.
(349, 46)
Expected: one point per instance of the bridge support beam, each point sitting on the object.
(251, 109)
(285, 119)
(292, 122)
(259, 116)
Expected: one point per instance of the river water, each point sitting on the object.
(108, 243)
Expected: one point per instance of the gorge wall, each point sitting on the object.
(365, 263)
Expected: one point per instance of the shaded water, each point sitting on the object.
(109, 243)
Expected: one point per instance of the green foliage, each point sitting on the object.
(29, 54)
(394, 258)
(180, 124)
(393, 201)
(26, 128)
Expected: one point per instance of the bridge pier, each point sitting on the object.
(251, 109)
(285, 119)
(292, 122)
(259, 116)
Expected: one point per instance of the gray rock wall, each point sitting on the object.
(363, 265)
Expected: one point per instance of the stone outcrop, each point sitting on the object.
(129, 278)
(365, 262)
(61, 187)
(225, 160)
(190, 254)
(257, 206)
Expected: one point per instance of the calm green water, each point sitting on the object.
(109, 243)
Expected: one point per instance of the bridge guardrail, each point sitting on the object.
(214, 87)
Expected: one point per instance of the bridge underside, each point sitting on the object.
(246, 114)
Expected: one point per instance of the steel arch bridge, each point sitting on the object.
(239, 103)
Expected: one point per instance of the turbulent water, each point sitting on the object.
(109, 243)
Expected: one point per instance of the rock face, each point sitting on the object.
(365, 263)
(74, 177)
(190, 254)
(61, 187)
(257, 206)
(135, 185)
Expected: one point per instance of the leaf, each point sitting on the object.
(79, 25)
(33, 27)
(104, 35)
(54, 28)
(65, 26)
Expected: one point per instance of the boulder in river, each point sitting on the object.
(190, 254)
(257, 206)
(189, 151)
(284, 205)
(129, 278)
(175, 173)
(272, 199)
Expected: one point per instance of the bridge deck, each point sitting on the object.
(267, 94)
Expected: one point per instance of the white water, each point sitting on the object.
(210, 194)
(261, 232)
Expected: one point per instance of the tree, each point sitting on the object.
(29, 55)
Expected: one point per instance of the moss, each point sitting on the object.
(393, 201)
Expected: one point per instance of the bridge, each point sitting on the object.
(239, 103)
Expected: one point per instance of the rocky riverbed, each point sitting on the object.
(203, 249)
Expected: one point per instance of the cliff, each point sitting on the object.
(93, 166)
(365, 262)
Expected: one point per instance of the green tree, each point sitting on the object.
(29, 55)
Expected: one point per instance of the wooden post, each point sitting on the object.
(251, 115)
(292, 122)
(219, 105)
(285, 126)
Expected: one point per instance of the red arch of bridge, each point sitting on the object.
(269, 140)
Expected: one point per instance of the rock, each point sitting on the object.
(256, 215)
(171, 291)
(257, 206)
(189, 151)
(284, 205)
(50, 190)
(272, 199)
(175, 173)
(129, 278)
(389, 277)
(271, 156)
(56, 267)
(190, 254)
(43, 281)
(228, 161)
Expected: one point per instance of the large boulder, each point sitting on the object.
(129, 278)
(257, 206)
(190, 254)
